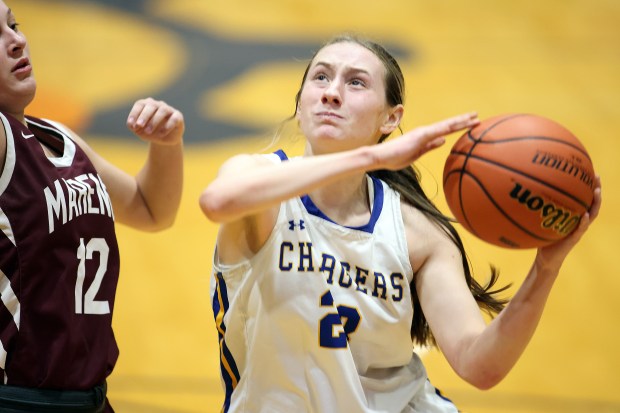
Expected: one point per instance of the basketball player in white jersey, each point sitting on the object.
(59, 258)
(329, 267)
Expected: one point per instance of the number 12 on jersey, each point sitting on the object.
(86, 303)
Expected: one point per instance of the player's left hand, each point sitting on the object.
(556, 252)
(157, 122)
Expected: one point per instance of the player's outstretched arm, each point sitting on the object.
(150, 200)
(246, 185)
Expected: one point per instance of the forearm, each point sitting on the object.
(492, 355)
(241, 193)
(160, 184)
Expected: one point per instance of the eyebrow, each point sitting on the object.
(350, 68)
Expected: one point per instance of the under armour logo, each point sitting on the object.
(292, 225)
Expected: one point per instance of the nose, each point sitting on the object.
(18, 43)
(331, 94)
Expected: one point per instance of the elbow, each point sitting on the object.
(481, 373)
(215, 206)
(165, 224)
(159, 224)
(480, 367)
(484, 380)
(486, 384)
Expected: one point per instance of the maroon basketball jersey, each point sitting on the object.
(59, 263)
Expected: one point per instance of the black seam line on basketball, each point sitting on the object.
(484, 132)
(579, 201)
(473, 146)
(470, 136)
(533, 137)
(574, 198)
(496, 206)
(499, 121)
(460, 181)
(476, 141)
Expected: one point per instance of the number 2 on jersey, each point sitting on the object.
(332, 332)
(86, 303)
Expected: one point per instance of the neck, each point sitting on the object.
(345, 202)
(17, 106)
(20, 116)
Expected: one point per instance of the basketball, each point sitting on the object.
(518, 181)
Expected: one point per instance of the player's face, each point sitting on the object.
(17, 84)
(342, 103)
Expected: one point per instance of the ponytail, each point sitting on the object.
(407, 183)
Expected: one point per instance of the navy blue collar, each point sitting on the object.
(312, 209)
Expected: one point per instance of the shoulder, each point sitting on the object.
(52, 125)
(245, 161)
(426, 238)
(79, 141)
(66, 131)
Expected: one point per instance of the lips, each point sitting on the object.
(329, 115)
(21, 64)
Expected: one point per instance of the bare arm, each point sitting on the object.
(245, 187)
(484, 354)
(150, 200)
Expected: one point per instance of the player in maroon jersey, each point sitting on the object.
(59, 260)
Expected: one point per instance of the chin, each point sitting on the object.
(328, 140)
(27, 97)
(328, 132)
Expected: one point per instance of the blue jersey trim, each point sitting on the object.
(377, 206)
(281, 155)
(374, 216)
(438, 393)
(228, 367)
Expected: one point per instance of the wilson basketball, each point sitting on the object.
(518, 181)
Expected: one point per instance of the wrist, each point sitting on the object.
(365, 159)
(547, 263)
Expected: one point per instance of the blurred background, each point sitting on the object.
(233, 67)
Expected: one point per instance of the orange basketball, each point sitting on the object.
(518, 181)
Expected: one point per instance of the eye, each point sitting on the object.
(358, 82)
(320, 76)
(13, 26)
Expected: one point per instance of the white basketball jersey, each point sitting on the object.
(319, 319)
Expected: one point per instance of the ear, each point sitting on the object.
(392, 120)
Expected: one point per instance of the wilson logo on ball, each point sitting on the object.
(558, 219)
